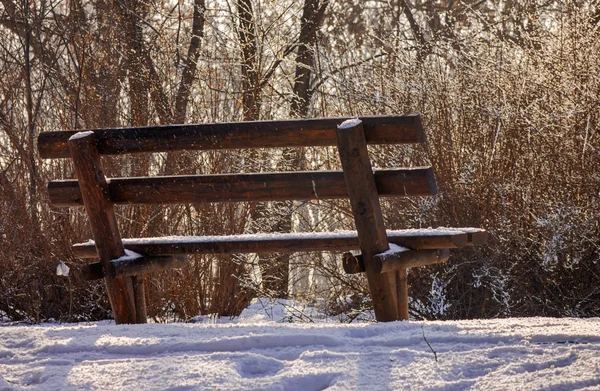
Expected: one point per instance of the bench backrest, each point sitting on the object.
(403, 129)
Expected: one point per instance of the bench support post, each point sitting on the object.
(385, 263)
(388, 290)
(126, 294)
(402, 292)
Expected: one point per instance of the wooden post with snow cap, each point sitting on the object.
(126, 294)
(396, 258)
(370, 227)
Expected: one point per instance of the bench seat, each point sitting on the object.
(162, 253)
(414, 239)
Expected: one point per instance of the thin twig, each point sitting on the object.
(428, 344)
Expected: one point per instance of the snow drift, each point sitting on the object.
(259, 352)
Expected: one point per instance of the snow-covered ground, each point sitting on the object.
(259, 352)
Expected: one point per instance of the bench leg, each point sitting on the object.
(103, 222)
(402, 293)
(370, 227)
(139, 293)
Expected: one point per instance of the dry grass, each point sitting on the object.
(513, 138)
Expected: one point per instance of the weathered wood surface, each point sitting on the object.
(353, 264)
(370, 227)
(280, 243)
(398, 129)
(92, 271)
(402, 292)
(384, 263)
(476, 236)
(139, 296)
(103, 223)
(305, 185)
(133, 267)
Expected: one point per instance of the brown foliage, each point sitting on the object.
(509, 101)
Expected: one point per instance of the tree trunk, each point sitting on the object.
(189, 66)
(312, 17)
(250, 62)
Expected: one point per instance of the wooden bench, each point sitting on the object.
(121, 260)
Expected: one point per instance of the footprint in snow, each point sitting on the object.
(258, 366)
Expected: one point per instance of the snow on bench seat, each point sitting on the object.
(414, 239)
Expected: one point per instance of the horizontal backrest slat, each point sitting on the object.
(396, 129)
(246, 187)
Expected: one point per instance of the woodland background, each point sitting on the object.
(509, 93)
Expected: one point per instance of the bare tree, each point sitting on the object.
(313, 14)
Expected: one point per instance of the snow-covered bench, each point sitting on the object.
(384, 255)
